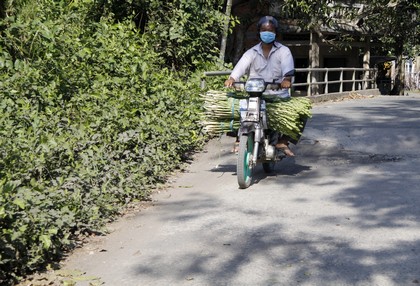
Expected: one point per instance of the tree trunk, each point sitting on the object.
(314, 63)
(366, 64)
(398, 88)
(225, 30)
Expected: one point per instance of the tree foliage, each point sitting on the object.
(368, 17)
(185, 33)
(398, 37)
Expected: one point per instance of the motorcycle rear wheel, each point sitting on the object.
(244, 165)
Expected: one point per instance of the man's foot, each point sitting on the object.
(235, 148)
(285, 148)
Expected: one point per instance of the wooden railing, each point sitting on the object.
(329, 80)
(412, 81)
(313, 81)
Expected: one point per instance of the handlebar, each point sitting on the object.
(240, 85)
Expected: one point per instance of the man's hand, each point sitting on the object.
(286, 83)
(229, 82)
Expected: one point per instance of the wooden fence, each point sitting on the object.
(314, 81)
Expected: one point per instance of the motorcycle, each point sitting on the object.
(256, 141)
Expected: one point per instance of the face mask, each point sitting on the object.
(267, 37)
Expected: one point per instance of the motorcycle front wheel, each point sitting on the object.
(244, 165)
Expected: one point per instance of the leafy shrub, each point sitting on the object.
(186, 31)
(90, 121)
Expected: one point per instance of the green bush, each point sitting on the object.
(89, 122)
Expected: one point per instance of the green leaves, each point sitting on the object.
(185, 32)
(90, 120)
(20, 203)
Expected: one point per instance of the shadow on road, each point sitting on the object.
(374, 240)
(345, 211)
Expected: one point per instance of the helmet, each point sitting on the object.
(267, 19)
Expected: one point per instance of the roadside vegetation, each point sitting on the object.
(96, 111)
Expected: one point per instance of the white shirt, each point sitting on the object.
(271, 69)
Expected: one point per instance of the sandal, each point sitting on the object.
(285, 149)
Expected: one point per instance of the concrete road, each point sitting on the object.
(345, 211)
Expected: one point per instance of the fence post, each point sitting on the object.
(309, 81)
(326, 81)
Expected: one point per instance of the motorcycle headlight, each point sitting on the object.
(255, 85)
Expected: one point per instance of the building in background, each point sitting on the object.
(311, 49)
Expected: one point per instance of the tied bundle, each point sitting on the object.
(221, 113)
(286, 116)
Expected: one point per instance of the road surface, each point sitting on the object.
(344, 211)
